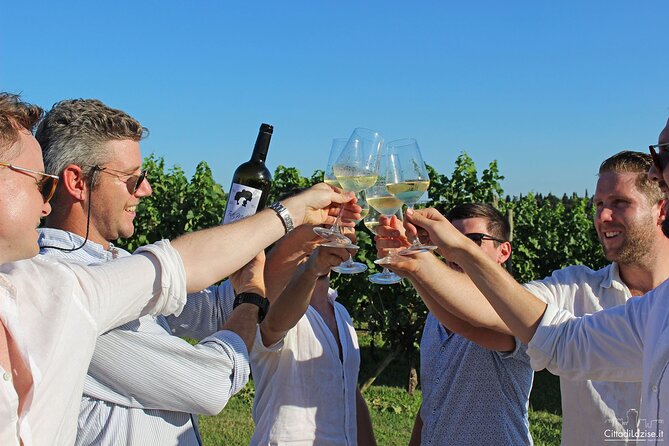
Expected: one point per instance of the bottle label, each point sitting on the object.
(242, 202)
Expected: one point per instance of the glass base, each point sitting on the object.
(331, 235)
(385, 278)
(350, 268)
(414, 249)
(340, 244)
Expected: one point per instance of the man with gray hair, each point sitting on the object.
(51, 311)
(94, 149)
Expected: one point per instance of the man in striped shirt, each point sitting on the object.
(145, 383)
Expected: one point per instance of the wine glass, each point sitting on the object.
(333, 233)
(385, 204)
(356, 168)
(349, 266)
(407, 180)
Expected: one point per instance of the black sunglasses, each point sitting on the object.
(134, 181)
(478, 238)
(659, 158)
(46, 183)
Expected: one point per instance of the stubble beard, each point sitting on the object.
(639, 240)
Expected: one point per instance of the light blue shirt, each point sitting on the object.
(472, 395)
(144, 385)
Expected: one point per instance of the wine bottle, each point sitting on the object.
(251, 181)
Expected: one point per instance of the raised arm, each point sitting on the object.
(520, 310)
(214, 253)
(286, 310)
(437, 283)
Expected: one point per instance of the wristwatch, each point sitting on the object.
(283, 215)
(256, 299)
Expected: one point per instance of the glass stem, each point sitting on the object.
(335, 226)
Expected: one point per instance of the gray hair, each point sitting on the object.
(75, 132)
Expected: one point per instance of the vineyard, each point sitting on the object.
(548, 233)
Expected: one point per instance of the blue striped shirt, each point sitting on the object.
(145, 383)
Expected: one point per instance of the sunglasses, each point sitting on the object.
(46, 183)
(134, 181)
(659, 156)
(478, 238)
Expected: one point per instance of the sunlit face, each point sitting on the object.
(21, 203)
(113, 204)
(479, 225)
(626, 223)
(662, 177)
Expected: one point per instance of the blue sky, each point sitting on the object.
(548, 89)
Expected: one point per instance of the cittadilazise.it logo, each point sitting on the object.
(636, 429)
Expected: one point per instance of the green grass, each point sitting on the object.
(392, 409)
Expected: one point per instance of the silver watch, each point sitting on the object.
(284, 215)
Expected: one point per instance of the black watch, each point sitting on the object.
(256, 299)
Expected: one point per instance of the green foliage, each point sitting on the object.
(176, 206)
(549, 233)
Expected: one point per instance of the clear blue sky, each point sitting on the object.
(548, 89)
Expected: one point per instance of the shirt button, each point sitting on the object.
(654, 388)
(7, 376)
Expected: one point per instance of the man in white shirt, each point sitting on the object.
(624, 343)
(306, 359)
(51, 312)
(629, 218)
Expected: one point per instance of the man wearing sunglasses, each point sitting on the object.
(476, 382)
(145, 383)
(630, 212)
(51, 311)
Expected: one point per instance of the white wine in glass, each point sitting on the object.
(333, 233)
(385, 204)
(407, 179)
(349, 266)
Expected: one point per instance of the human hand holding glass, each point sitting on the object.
(349, 266)
(407, 180)
(385, 204)
(355, 168)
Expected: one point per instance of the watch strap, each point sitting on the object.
(283, 215)
(253, 298)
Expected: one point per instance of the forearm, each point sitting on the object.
(283, 259)
(286, 310)
(243, 321)
(138, 365)
(212, 254)
(484, 337)
(364, 422)
(456, 294)
(520, 310)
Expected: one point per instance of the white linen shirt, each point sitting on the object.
(304, 394)
(55, 311)
(126, 400)
(625, 343)
(590, 409)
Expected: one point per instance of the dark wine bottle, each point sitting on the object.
(251, 181)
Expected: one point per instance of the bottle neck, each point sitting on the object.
(261, 147)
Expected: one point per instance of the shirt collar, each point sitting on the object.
(612, 279)
(332, 295)
(67, 240)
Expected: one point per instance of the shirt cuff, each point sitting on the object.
(519, 352)
(259, 345)
(235, 347)
(172, 272)
(541, 348)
